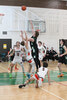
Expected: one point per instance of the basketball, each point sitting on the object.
(23, 8)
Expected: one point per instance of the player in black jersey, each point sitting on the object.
(34, 48)
(62, 56)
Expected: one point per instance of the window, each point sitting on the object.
(4, 32)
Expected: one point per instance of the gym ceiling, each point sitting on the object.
(56, 4)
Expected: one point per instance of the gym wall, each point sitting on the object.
(15, 20)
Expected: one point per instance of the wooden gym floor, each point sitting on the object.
(9, 86)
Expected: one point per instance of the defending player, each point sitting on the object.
(42, 51)
(28, 55)
(17, 58)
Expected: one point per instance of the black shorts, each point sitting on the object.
(66, 59)
(45, 58)
(62, 60)
(11, 58)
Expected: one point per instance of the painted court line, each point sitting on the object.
(59, 83)
(51, 93)
(56, 76)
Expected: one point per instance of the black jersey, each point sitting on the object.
(61, 49)
(11, 52)
(34, 52)
(11, 57)
(62, 59)
(34, 44)
(34, 47)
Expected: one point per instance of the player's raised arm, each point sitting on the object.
(26, 40)
(30, 39)
(22, 36)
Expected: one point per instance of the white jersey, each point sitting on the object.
(29, 56)
(18, 55)
(18, 52)
(42, 73)
(42, 52)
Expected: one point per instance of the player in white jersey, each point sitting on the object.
(17, 58)
(42, 51)
(39, 77)
(28, 55)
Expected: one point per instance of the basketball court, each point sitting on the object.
(9, 87)
(49, 18)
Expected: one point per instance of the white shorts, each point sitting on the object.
(17, 60)
(40, 57)
(39, 81)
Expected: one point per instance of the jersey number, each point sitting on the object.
(17, 54)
